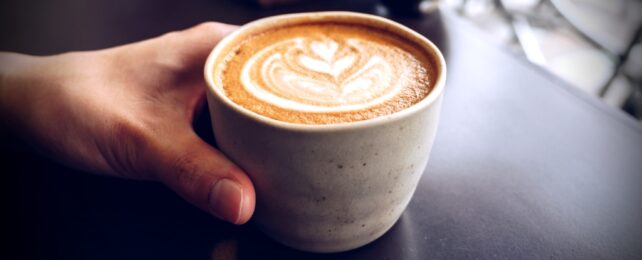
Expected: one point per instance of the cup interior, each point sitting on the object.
(219, 53)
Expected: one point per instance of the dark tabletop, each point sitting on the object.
(524, 166)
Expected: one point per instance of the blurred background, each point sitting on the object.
(594, 45)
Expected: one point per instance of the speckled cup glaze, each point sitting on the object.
(327, 188)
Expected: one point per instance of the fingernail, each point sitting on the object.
(226, 200)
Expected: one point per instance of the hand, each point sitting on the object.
(127, 111)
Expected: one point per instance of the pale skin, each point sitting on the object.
(127, 112)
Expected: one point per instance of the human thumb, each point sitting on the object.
(206, 178)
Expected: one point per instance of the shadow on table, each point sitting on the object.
(253, 244)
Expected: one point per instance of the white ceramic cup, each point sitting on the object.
(326, 188)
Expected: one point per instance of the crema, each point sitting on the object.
(326, 72)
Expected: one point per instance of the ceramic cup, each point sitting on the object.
(326, 188)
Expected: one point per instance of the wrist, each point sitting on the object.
(12, 96)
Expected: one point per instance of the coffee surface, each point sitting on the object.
(326, 72)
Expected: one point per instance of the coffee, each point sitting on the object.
(326, 72)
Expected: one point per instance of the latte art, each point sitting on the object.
(324, 73)
(321, 75)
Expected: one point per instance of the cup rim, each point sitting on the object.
(432, 97)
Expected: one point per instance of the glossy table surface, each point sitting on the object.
(524, 166)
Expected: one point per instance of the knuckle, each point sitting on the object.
(130, 131)
(211, 26)
(130, 149)
(214, 28)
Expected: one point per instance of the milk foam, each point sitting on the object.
(320, 74)
(325, 72)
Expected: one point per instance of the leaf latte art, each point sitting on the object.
(321, 75)
(325, 73)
